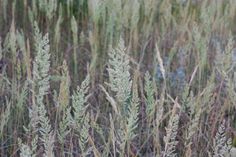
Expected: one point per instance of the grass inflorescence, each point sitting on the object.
(117, 78)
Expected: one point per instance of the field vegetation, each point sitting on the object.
(117, 78)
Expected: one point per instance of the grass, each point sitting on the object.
(119, 78)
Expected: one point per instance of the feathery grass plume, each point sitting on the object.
(41, 78)
(119, 76)
(47, 135)
(150, 93)
(39, 122)
(194, 115)
(25, 150)
(120, 83)
(79, 100)
(133, 111)
(41, 66)
(84, 136)
(80, 120)
(192, 129)
(29, 150)
(22, 98)
(64, 125)
(64, 94)
(222, 145)
(208, 92)
(80, 97)
(171, 132)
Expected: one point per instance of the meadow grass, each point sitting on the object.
(117, 78)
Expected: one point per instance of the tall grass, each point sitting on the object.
(117, 78)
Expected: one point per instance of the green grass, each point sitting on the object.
(119, 78)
